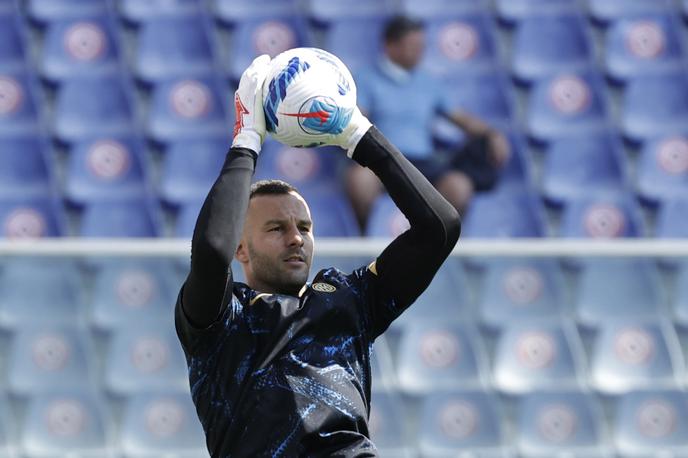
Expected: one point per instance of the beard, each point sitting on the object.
(271, 271)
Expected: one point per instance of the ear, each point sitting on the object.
(241, 254)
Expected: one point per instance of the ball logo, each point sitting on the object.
(273, 37)
(298, 164)
(150, 355)
(604, 221)
(51, 352)
(536, 350)
(439, 349)
(557, 423)
(634, 346)
(66, 418)
(11, 95)
(85, 41)
(323, 288)
(25, 223)
(164, 418)
(570, 95)
(523, 285)
(656, 419)
(459, 420)
(398, 224)
(136, 288)
(459, 41)
(645, 39)
(108, 160)
(672, 155)
(321, 115)
(190, 99)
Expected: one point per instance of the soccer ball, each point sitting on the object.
(308, 96)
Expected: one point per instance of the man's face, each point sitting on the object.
(276, 248)
(408, 50)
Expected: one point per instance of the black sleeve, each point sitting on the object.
(208, 287)
(407, 266)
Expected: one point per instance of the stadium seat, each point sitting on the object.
(234, 11)
(13, 42)
(137, 218)
(190, 167)
(189, 108)
(22, 217)
(186, 218)
(602, 217)
(488, 96)
(662, 171)
(517, 172)
(136, 11)
(20, 103)
(87, 107)
(671, 219)
(538, 354)
(505, 213)
(679, 303)
(576, 166)
(145, 357)
(459, 43)
(332, 215)
(127, 291)
(388, 425)
(45, 11)
(26, 167)
(547, 45)
(462, 421)
(512, 11)
(636, 354)
(655, 105)
(651, 423)
(647, 43)
(439, 356)
(174, 47)
(431, 9)
(604, 11)
(162, 423)
(41, 290)
(560, 423)
(68, 422)
(357, 42)
(79, 47)
(270, 35)
(521, 289)
(47, 357)
(326, 11)
(566, 104)
(106, 169)
(386, 220)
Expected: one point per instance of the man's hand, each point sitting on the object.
(249, 128)
(353, 132)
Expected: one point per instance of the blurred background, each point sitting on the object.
(115, 116)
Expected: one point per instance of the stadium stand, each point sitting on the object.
(12, 42)
(136, 12)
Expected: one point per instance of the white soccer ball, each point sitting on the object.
(308, 96)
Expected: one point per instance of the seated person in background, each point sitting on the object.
(403, 101)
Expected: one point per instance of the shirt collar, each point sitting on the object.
(394, 71)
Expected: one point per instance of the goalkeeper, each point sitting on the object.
(279, 367)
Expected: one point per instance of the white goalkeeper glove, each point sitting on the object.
(353, 132)
(249, 128)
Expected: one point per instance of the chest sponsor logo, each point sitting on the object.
(324, 288)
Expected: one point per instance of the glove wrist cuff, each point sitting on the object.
(249, 139)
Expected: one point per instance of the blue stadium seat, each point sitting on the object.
(537, 355)
(47, 357)
(431, 9)
(145, 357)
(636, 354)
(638, 290)
(388, 426)
(87, 106)
(26, 166)
(189, 108)
(20, 103)
(80, 47)
(40, 291)
(174, 47)
(357, 42)
(546, 45)
(457, 43)
(332, 215)
(186, 218)
(270, 35)
(326, 11)
(566, 104)
(605, 11)
(488, 96)
(651, 423)
(22, 217)
(505, 213)
(671, 219)
(512, 11)
(462, 421)
(575, 166)
(190, 167)
(52, 10)
(517, 172)
(13, 42)
(137, 218)
(68, 422)
(663, 168)
(602, 217)
(551, 423)
(136, 11)
(106, 169)
(655, 105)
(234, 11)
(127, 291)
(439, 356)
(386, 220)
(162, 423)
(8, 6)
(679, 303)
(521, 289)
(648, 43)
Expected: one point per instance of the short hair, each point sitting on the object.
(271, 187)
(399, 26)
